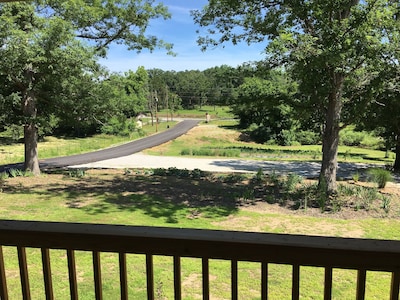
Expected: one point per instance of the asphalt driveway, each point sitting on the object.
(115, 152)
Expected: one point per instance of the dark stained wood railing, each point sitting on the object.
(296, 250)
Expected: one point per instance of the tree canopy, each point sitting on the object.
(44, 53)
(332, 48)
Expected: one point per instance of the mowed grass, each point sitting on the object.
(114, 197)
(221, 138)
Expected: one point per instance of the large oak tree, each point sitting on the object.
(328, 45)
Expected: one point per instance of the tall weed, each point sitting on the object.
(380, 176)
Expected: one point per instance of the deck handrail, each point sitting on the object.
(296, 250)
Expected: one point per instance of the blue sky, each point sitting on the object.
(180, 30)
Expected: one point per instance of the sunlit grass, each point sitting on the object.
(221, 138)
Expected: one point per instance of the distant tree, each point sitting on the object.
(328, 45)
(192, 87)
(266, 104)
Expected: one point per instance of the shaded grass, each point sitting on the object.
(114, 198)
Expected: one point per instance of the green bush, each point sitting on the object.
(307, 138)
(380, 176)
(351, 138)
(291, 182)
(119, 125)
(211, 152)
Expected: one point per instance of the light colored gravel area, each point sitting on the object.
(140, 160)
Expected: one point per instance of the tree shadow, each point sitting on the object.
(165, 197)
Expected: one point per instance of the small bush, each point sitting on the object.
(4, 176)
(380, 176)
(356, 177)
(16, 173)
(351, 138)
(259, 176)
(77, 173)
(307, 138)
(291, 182)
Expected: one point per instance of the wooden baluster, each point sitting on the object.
(3, 280)
(150, 277)
(234, 279)
(328, 283)
(394, 287)
(97, 275)
(361, 279)
(73, 285)
(48, 283)
(206, 278)
(264, 281)
(23, 270)
(296, 282)
(123, 278)
(177, 278)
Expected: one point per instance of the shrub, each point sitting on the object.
(380, 176)
(307, 138)
(78, 173)
(356, 177)
(351, 138)
(291, 182)
(16, 172)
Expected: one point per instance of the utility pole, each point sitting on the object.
(156, 98)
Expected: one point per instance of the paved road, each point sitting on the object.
(119, 151)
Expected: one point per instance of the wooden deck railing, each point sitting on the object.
(295, 250)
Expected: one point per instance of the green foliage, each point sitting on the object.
(291, 182)
(351, 138)
(49, 75)
(259, 177)
(380, 176)
(262, 107)
(210, 152)
(386, 201)
(356, 177)
(15, 173)
(77, 173)
(330, 47)
(307, 137)
(181, 173)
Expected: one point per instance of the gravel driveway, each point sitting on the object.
(140, 160)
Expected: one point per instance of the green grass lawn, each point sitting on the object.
(113, 197)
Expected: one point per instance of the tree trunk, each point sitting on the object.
(330, 142)
(31, 151)
(396, 166)
(30, 129)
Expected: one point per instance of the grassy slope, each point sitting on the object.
(221, 138)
